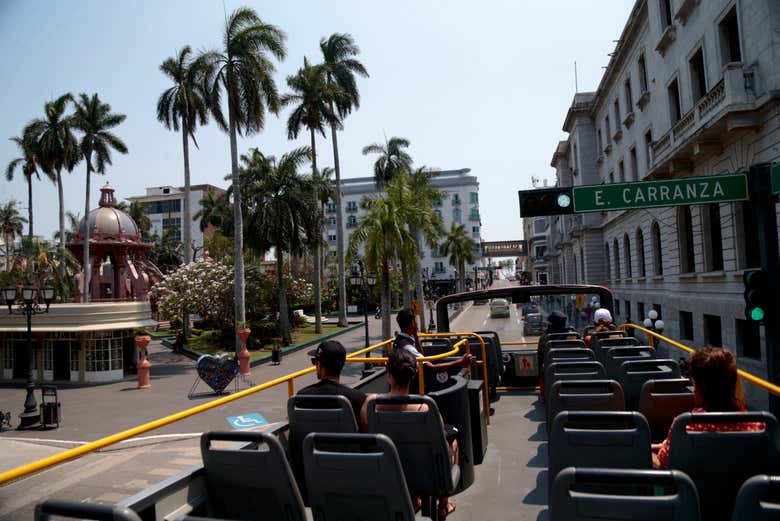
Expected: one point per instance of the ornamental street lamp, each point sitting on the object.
(653, 324)
(363, 282)
(30, 306)
(429, 284)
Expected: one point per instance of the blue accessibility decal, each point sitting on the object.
(247, 421)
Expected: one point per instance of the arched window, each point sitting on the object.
(640, 252)
(606, 258)
(616, 255)
(582, 268)
(658, 263)
(627, 250)
(685, 239)
(712, 238)
(438, 213)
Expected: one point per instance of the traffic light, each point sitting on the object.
(546, 201)
(757, 297)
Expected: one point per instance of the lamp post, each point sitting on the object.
(653, 323)
(363, 282)
(427, 280)
(30, 306)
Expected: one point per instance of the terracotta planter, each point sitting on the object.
(143, 366)
(243, 355)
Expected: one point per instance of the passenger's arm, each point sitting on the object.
(463, 361)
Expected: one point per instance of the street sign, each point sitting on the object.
(775, 175)
(247, 421)
(668, 192)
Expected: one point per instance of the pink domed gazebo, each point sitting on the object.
(117, 269)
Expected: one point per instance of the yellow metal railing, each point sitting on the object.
(758, 382)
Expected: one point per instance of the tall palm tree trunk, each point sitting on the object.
(62, 218)
(316, 253)
(405, 292)
(85, 258)
(238, 231)
(29, 207)
(461, 275)
(7, 239)
(386, 332)
(284, 319)
(187, 225)
(340, 233)
(419, 282)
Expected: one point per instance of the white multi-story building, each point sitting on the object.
(692, 89)
(165, 207)
(460, 205)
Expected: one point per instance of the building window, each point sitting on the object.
(617, 114)
(331, 238)
(675, 110)
(648, 150)
(75, 348)
(712, 330)
(616, 255)
(167, 206)
(729, 37)
(600, 140)
(607, 257)
(628, 311)
(474, 214)
(640, 311)
(617, 307)
(747, 236)
(456, 215)
(582, 267)
(629, 97)
(474, 198)
(540, 252)
(634, 174)
(608, 126)
(351, 221)
(640, 252)
(622, 171)
(8, 354)
(666, 12)
(685, 239)
(540, 225)
(330, 208)
(455, 199)
(352, 206)
(438, 267)
(713, 243)
(658, 263)
(698, 75)
(331, 221)
(748, 338)
(475, 230)
(642, 73)
(686, 325)
(102, 352)
(575, 159)
(172, 226)
(627, 250)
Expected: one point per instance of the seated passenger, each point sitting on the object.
(716, 388)
(602, 319)
(401, 370)
(329, 358)
(407, 339)
(556, 323)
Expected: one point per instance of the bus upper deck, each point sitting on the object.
(579, 448)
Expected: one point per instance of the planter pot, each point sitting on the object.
(143, 366)
(243, 355)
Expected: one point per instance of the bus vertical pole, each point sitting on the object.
(762, 203)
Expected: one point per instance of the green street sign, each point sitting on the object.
(668, 192)
(775, 175)
(486, 268)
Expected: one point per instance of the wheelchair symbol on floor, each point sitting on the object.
(247, 421)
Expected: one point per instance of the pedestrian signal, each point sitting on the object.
(545, 201)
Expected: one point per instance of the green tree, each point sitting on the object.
(281, 214)
(310, 97)
(57, 148)
(243, 70)
(392, 159)
(166, 253)
(28, 162)
(341, 67)
(460, 248)
(215, 211)
(39, 262)
(11, 225)
(74, 219)
(95, 120)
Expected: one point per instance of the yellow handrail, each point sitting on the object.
(758, 382)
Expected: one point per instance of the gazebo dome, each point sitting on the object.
(107, 222)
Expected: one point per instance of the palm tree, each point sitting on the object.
(184, 106)
(137, 212)
(281, 214)
(215, 211)
(28, 162)
(57, 147)
(459, 246)
(341, 66)
(11, 225)
(392, 159)
(243, 70)
(74, 219)
(311, 97)
(95, 120)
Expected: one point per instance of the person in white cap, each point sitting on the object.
(602, 318)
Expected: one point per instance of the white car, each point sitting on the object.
(499, 307)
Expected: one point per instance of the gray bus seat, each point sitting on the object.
(758, 499)
(605, 344)
(613, 357)
(661, 401)
(588, 494)
(570, 354)
(634, 373)
(435, 346)
(720, 462)
(494, 338)
(79, 510)
(315, 413)
(589, 370)
(601, 439)
(241, 483)
(494, 363)
(354, 477)
(584, 395)
(419, 439)
(566, 335)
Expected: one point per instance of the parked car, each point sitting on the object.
(533, 324)
(499, 307)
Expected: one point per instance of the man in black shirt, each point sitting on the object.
(329, 359)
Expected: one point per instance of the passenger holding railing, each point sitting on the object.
(716, 388)
(407, 339)
(401, 370)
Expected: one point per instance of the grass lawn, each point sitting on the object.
(209, 341)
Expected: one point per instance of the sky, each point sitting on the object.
(479, 85)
